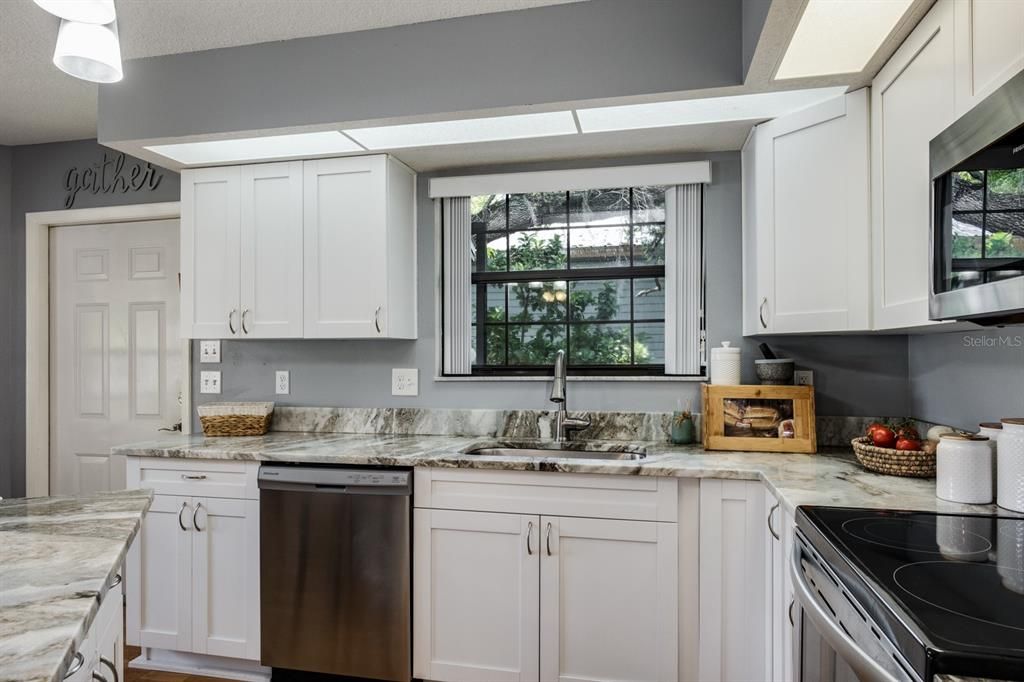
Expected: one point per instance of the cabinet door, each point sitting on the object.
(912, 101)
(110, 636)
(271, 250)
(225, 585)
(210, 223)
(732, 585)
(813, 227)
(600, 578)
(989, 48)
(160, 576)
(345, 242)
(476, 588)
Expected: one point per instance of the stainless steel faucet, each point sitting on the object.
(563, 422)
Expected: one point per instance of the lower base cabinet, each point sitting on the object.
(101, 653)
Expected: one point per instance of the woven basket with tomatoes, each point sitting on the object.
(896, 450)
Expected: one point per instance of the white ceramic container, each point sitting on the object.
(725, 364)
(964, 469)
(1010, 493)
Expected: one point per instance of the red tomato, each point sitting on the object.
(874, 426)
(908, 432)
(908, 444)
(883, 437)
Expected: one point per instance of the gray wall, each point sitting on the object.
(38, 185)
(755, 13)
(853, 373)
(579, 51)
(964, 378)
(8, 398)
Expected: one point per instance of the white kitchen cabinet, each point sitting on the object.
(194, 568)
(597, 574)
(733, 598)
(912, 100)
(360, 239)
(989, 48)
(476, 589)
(780, 611)
(806, 220)
(102, 652)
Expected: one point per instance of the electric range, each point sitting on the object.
(916, 593)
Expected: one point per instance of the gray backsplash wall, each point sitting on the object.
(855, 375)
(963, 378)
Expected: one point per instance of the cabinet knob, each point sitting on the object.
(529, 538)
(760, 312)
(245, 330)
(113, 668)
(195, 517)
(771, 528)
(376, 318)
(76, 665)
(180, 523)
(547, 538)
(231, 320)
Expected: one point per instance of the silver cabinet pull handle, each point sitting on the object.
(195, 517)
(792, 603)
(231, 320)
(376, 318)
(760, 312)
(771, 529)
(244, 328)
(180, 523)
(99, 678)
(115, 582)
(113, 668)
(76, 665)
(529, 538)
(547, 539)
(194, 477)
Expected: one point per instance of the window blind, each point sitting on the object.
(684, 335)
(457, 319)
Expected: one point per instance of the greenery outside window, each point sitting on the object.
(988, 223)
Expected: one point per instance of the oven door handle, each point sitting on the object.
(859, 661)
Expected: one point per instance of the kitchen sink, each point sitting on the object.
(560, 450)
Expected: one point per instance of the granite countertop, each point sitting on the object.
(833, 478)
(58, 555)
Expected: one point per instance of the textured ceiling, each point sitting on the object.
(38, 103)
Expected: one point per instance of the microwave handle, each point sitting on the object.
(860, 662)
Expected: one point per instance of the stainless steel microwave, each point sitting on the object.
(977, 236)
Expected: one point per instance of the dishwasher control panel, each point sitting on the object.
(334, 477)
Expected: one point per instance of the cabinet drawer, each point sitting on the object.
(195, 477)
(599, 496)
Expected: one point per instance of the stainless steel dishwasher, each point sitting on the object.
(335, 571)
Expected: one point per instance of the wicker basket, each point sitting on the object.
(235, 419)
(910, 463)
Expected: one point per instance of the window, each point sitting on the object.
(988, 218)
(611, 276)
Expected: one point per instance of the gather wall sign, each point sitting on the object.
(115, 174)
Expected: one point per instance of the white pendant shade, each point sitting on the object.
(91, 52)
(87, 11)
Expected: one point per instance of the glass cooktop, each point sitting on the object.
(953, 584)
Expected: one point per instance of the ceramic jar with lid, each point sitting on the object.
(1010, 493)
(964, 469)
(725, 364)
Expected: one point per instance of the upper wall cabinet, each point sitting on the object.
(989, 47)
(912, 101)
(360, 237)
(806, 220)
(315, 249)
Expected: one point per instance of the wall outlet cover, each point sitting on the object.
(282, 382)
(209, 351)
(405, 382)
(803, 377)
(209, 381)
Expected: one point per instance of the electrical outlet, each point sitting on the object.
(282, 382)
(209, 382)
(405, 382)
(803, 377)
(209, 351)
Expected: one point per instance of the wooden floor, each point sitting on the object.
(134, 675)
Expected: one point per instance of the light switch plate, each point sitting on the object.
(803, 377)
(209, 381)
(282, 382)
(209, 351)
(405, 381)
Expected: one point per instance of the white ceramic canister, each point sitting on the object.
(992, 430)
(964, 469)
(725, 364)
(1010, 494)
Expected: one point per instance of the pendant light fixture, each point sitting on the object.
(86, 11)
(91, 52)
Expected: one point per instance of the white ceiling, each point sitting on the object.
(39, 103)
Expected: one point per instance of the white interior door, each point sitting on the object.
(115, 355)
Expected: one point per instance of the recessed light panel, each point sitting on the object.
(695, 111)
(839, 36)
(465, 131)
(257, 148)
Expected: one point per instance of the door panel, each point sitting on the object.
(990, 47)
(597, 577)
(476, 587)
(115, 355)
